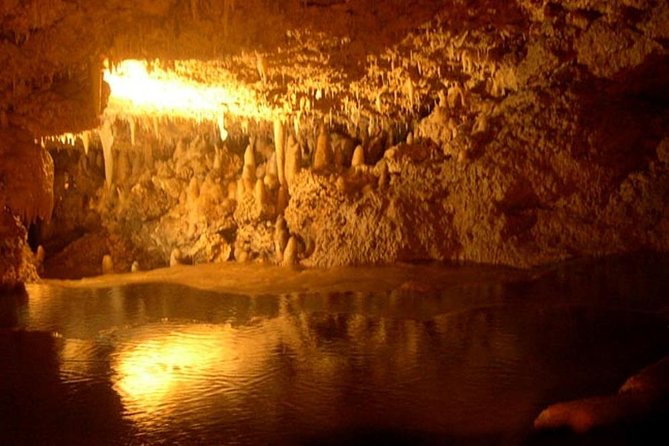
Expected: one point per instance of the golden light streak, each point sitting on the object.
(190, 90)
(149, 373)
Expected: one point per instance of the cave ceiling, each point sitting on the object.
(341, 58)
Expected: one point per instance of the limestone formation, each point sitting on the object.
(248, 177)
(281, 236)
(39, 256)
(135, 267)
(290, 253)
(176, 257)
(358, 157)
(107, 140)
(282, 199)
(107, 265)
(293, 163)
(260, 194)
(280, 147)
(323, 156)
(509, 137)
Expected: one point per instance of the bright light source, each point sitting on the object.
(191, 90)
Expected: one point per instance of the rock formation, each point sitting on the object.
(515, 133)
(643, 395)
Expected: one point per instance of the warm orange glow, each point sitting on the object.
(149, 372)
(189, 89)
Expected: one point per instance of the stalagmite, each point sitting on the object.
(384, 177)
(107, 140)
(222, 132)
(341, 184)
(232, 190)
(249, 170)
(282, 199)
(323, 156)
(107, 264)
(293, 160)
(358, 157)
(260, 193)
(271, 175)
(281, 236)
(250, 157)
(39, 256)
(240, 190)
(280, 149)
(176, 258)
(241, 255)
(135, 267)
(290, 253)
(271, 181)
(193, 192)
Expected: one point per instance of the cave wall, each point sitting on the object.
(514, 133)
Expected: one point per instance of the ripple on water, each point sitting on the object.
(185, 366)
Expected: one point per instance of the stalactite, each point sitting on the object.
(261, 66)
(280, 149)
(107, 140)
(95, 74)
(86, 141)
(133, 131)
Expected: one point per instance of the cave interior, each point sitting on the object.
(316, 134)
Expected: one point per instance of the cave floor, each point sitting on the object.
(405, 354)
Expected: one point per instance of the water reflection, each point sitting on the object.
(155, 364)
(161, 363)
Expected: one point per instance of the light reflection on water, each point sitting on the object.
(162, 363)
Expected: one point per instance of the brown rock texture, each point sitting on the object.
(515, 133)
(16, 260)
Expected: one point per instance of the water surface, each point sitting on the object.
(446, 363)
